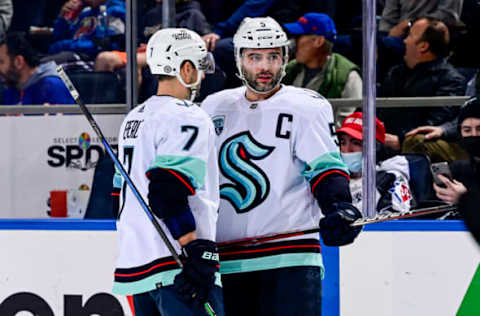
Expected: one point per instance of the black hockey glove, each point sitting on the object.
(198, 274)
(335, 227)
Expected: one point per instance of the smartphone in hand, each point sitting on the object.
(440, 168)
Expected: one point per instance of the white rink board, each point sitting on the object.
(392, 269)
(52, 264)
(410, 273)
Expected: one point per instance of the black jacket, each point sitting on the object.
(468, 173)
(434, 78)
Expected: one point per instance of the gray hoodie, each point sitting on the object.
(44, 70)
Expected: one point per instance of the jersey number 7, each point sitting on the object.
(190, 129)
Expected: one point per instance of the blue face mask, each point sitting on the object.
(353, 161)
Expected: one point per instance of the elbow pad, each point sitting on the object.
(168, 199)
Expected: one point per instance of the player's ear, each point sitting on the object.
(188, 72)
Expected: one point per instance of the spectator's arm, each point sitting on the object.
(390, 15)
(6, 12)
(450, 128)
(79, 46)
(250, 8)
(61, 29)
(198, 22)
(353, 87)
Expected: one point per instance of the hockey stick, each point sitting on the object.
(361, 221)
(76, 96)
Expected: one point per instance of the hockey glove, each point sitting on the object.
(335, 227)
(198, 274)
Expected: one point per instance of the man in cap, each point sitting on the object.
(316, 67)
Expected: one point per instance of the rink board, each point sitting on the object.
(408, 268)
(397, 268)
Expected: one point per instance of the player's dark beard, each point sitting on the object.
(252, 80)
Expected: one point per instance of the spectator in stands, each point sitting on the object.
(438, 142)
(444, 138)
(80, 32)
(464, 188)
(315, 66)
(394, 25)
(397, 14)
(393, 174)
(6, 13)
(188, 15)
(28, 81)
(425, 72)
(282, 11)
(465, 54)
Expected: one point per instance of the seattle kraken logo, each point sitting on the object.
(250, 184)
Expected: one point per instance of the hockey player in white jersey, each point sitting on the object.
(167, 145)
(280, 169)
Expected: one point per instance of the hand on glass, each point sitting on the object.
(210, 39)
(392, 141)
(431, 132)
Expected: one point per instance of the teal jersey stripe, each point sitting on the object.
(272, 262)
(193, 168)
(164, 278)
(325, 162)
(117, 179)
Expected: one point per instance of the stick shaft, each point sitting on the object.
(362, 221)
(76, 96)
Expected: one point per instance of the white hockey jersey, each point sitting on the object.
(270, 154)
(173, 134)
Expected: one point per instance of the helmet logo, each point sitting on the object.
(167, 69)
(182, 35)
(303, 20)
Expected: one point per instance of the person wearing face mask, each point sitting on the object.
(464, 188)
(393, 174)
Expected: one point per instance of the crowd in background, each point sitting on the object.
(424, 49)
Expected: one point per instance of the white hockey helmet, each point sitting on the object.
(169, 48)
(262, 32)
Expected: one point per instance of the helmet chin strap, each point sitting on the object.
(193, 87)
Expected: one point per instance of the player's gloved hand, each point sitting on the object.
(198, 274)
(335, 227)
